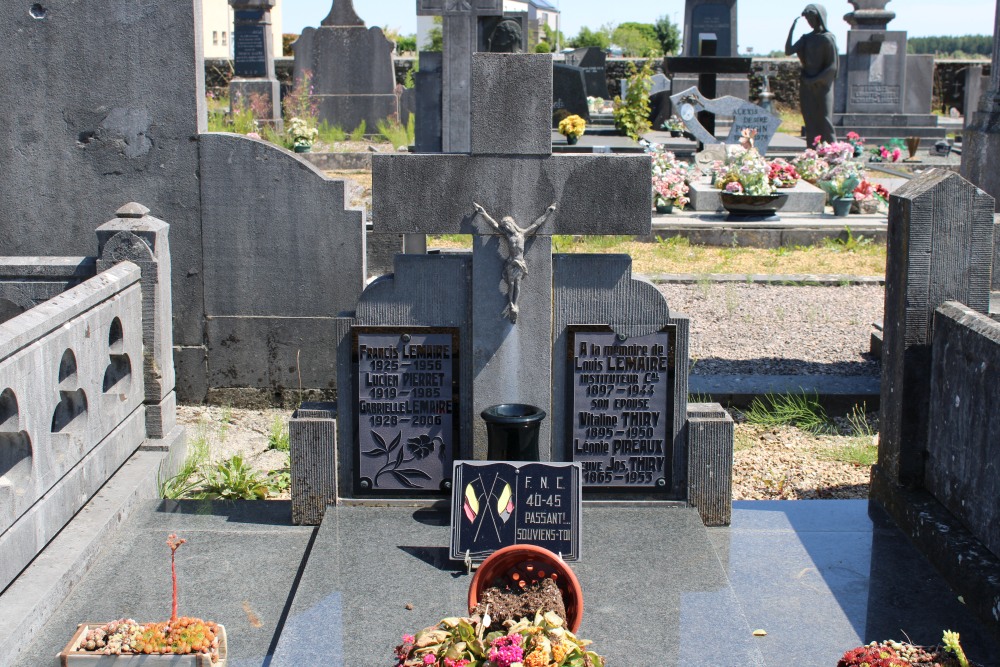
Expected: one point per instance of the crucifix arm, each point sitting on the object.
(482, 211)
(541, 220)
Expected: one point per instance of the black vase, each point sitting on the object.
(512, 431)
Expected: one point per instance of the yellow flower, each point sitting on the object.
(572, 126)
(536, 658)
(559, 652)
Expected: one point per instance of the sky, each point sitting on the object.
(762, 24)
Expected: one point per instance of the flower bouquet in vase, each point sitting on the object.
(572, 127)
(839, 184)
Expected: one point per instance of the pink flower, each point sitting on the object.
(429, 659)
(896, 154)
(507, 650)
(409, 639)
(734, 188)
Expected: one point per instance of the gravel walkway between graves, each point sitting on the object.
(748, 329)
(736, 329)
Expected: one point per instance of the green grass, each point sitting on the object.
(395, 132)
(188, 478)
(358, 133)
(799, 410)
(860, 448)
(232, 479)
(330, 134)
(278, 438)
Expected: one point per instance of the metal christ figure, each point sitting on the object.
(515, 268)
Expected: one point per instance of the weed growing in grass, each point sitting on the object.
(233, 479)
(855, 452)
(732, 300)
(848, 243)
(673, 242)
(224, 421)
(699, 398)
(705, 285)
(799, 410)
(395, 132)
(279, 481)
(358, 133)
(331, 134)
(187, 478)
(278, 439)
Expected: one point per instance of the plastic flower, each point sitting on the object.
(734, 187)
(572, 126)
(505, 651)
(750, 171)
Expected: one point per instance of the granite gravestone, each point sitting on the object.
(428, 81)
(253, 59)
(460, 28)
(593, 62)
(349, 67)
(710, 17)
(569, 92)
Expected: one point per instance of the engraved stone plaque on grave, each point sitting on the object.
(249, 50)
(622, 407)
(405, 409)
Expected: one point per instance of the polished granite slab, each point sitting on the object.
(660, 589)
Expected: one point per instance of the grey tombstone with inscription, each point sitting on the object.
(593, 61)
(253, 58)
(512, 179)
(460, 26)
(351, 70)
(746, 116)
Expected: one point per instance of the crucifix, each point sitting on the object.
(512, 173)
(460, 28)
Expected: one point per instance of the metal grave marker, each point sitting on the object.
(405, 409)
(622, 407)
(497, 504)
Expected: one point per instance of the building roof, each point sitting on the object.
(542, 4)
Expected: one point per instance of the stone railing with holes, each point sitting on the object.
(86, 376)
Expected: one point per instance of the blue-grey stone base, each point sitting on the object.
(803, 198)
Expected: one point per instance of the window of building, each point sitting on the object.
(215, 38)
(224, 38)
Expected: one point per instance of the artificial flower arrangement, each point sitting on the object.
(870, 197)
(465, 642)
(889, 152)
(834, 153)
(303, 135)
(746, 172)
(671, 177)
(178, 636)
(783, 174)
(856, 140)
(673, 124)
(841, 180)
(899, 654)
(572, 126)
(810, 165)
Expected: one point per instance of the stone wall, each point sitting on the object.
(949, 77)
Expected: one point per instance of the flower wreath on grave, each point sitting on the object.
(191, 641)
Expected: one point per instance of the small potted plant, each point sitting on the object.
(179, 642)
(747, 188)
(903, 654)
(670, 179)
(783, 174)
(810, 166)
(839, 184)
(856, 140)
(869, 197)
(674, 125)
(303, 135)
(572, 127)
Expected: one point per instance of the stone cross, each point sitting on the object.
(511, 172)
(460, 32)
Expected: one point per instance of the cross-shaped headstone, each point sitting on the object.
(511, 172)
(460, 27)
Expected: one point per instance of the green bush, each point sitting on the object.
(632, 113)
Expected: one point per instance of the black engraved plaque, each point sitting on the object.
(249, 50)
(622, 408)
(405, 409)
(497, 504)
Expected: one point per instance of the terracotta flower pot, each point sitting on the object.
(523, 564)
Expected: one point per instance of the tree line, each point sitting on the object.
(967, 45)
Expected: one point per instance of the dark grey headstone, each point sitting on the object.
(523, 82)
(964, 420)
(940, 248)
(876, 71)
(428, 85)
(406, 409)
(593, 62)
(249, 52)
(710, 17)
(569, 90)
(352, 75)
(919, 84)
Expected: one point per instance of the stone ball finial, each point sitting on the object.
(869, 15)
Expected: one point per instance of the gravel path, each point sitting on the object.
(744, 329)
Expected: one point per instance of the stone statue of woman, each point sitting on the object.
(817, 51)
(515, 268)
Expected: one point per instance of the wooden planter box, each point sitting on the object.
(72, 656)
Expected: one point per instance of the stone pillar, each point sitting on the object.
(940, 248)
(312, 441)
(253, 60)
(982, 136)
(710, 462)
(138, 237)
